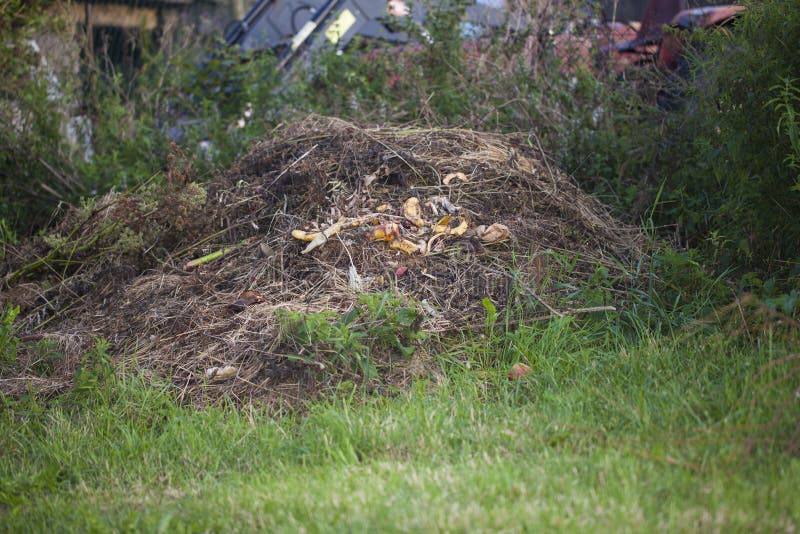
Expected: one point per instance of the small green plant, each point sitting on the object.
(45, 355)
(378, 327)
(390, 323)
(8, 341)
(93, 374)
(788, 105)
(491, 316)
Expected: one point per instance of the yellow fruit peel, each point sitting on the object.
(404, 245)
(304, 236)
(412, 212)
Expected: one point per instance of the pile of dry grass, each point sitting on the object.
(116, 269)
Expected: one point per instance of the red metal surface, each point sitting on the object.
(620, 46)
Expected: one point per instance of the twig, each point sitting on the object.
(284, 171)
(532, 293)
(590, 309)
(539, 318)
(543, 302)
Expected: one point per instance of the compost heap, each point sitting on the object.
(184, 281)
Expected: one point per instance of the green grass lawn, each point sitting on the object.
(671, 433)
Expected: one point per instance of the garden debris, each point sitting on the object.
(265, 251)
(220, 373)
(494, 233)
(448, 206)
(248, 298)
(356, 283)
(519, 371)
(404, 245)
(209, 257)
(401, 237)
(117, 268)
(320, 238)
(455, 176)
(386, 231)
(412, 212)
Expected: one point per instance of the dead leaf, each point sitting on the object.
(265, 251)
(494, 233)
(401, 270)
(248, 298)
(518, 371)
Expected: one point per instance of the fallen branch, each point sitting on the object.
(539, 318)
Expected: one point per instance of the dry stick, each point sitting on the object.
(539, 318)
(298, 160)
(543, 302)
(540, 299)
(393, 151)
(67, 180)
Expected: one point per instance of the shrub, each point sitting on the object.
(34, 167)
(735, 180)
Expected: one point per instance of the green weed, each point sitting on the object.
(379, 327)
(8, 340)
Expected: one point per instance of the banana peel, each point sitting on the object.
(404, 245)
(304, 236)
(220, 373)
(443, 227)
(413, 212)
(316, 239)
(459, 230)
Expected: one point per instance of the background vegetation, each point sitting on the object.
(720, 172)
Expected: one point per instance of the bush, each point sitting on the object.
(88, 126)
(34, 169)
(735, 187)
